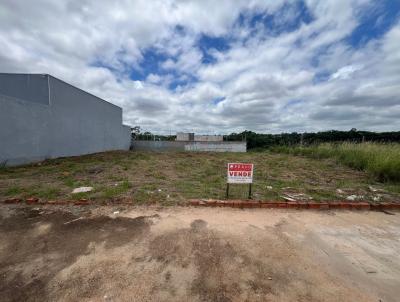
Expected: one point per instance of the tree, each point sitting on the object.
(136, 130)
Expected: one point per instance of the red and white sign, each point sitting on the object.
(239, 173)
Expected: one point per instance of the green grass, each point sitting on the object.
(45, 192)
(13, 191)
(381, 161)
(116, 190)
(174, 177)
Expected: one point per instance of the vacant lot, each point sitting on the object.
(110, 253)
(173, 178)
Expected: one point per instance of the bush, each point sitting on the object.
(382, 161)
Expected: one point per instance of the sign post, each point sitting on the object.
(239, 173)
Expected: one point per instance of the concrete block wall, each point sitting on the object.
(158, 146)
(24, 131)
(43, 117)
(162, 146)
(216, 146)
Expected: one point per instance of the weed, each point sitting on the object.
(3, 165)
(116, 190)
(13, 191)
(82, 195)
(382, 161)
(42, 192)
(69, 182)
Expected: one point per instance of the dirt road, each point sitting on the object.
(188, 254)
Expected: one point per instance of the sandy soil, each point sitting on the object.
(188, 254)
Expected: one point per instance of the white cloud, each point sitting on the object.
(345, 72)
(263, 82)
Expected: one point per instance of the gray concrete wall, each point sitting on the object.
(24, 131)
(158, 146)
(189, 146)
(72, 123)
(83, 123)
(29, 87)
(126, 133)
(216, 146)
(208, 138)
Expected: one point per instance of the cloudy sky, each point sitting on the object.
(218, 66)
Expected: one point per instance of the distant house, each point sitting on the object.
(184, 136)
(208, 138)
(43, 117)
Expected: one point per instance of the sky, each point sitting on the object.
(218, 66)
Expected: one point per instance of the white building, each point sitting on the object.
(184, 136)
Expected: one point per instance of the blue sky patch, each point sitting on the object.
(181, 81)
(375, 21)
(321, 76)
(292, 103)
(288, 18)
(207, 43)
(151, 63)
(218, 100)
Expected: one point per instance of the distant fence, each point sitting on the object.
(189, 146)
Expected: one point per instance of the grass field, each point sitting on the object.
(173, 178)
(381, 161)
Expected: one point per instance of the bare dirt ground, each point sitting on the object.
(197, 254)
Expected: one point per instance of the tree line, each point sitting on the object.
(261, 140)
